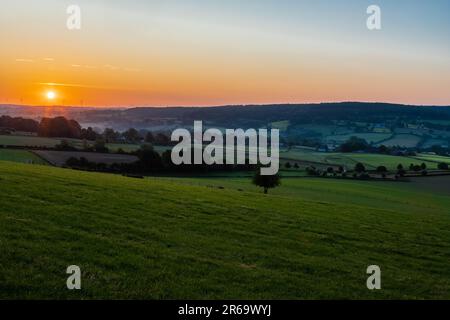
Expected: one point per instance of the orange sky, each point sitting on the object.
(165, 55)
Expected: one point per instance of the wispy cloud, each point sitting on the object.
(24, 60)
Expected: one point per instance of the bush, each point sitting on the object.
(382, 169)
(312, 171)
(443, 166)
(359, 167)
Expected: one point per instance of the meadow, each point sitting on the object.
(433, 158)
(22, 156)
(371, 161)
(403, 140)
(28, 141)
(209, 238)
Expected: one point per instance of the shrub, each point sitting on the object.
(359, 167)
(443, 166)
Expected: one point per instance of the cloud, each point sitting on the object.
(24, 60)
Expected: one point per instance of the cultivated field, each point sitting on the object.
(371, 161)
(22, 156)
(166, 238)
(59, 158)
(403, 140)
(369, 137)
(28, 141)
(433, 158)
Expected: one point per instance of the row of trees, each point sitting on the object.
(151, 161)
(60, 127)
(361, 171)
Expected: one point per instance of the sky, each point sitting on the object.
(216, 52)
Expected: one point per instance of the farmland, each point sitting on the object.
(28, 141)
(59, 158)
(403, 140)
(22, 156)
(187, 238)
(433, 158)
(369, 137)
(371, 161)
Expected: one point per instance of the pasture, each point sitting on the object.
(173, 238)
(403, 140)
(28, 141)
(371, 161)
(22, 156)
(59, 158)
(369, 137)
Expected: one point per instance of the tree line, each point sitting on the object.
(60, 127)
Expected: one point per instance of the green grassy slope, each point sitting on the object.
(179, 238)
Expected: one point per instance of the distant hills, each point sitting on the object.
(235, 116)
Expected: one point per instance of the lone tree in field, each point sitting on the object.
(266, 182)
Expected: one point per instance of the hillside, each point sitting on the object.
(188, 238)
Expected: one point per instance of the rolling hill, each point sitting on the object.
(213, 238)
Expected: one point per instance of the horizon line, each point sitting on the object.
(221, 106)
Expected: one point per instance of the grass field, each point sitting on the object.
(369, 137)
(186, 238)
(124, 146)
(433, 158)
(20, 156)
(28, 141)
(371, 161)
(403, 140)
(59, 158)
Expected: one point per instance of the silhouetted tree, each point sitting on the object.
(100, 146)
(354, 144)
(150, 138)
(59, 127)
(131, 135)
(110, 135)
(359, 167)
(89, 134)
(443, 166)
(266, 182)
(162, 140)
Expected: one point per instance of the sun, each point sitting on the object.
(51, 95)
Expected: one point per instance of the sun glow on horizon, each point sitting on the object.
(51, 95)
